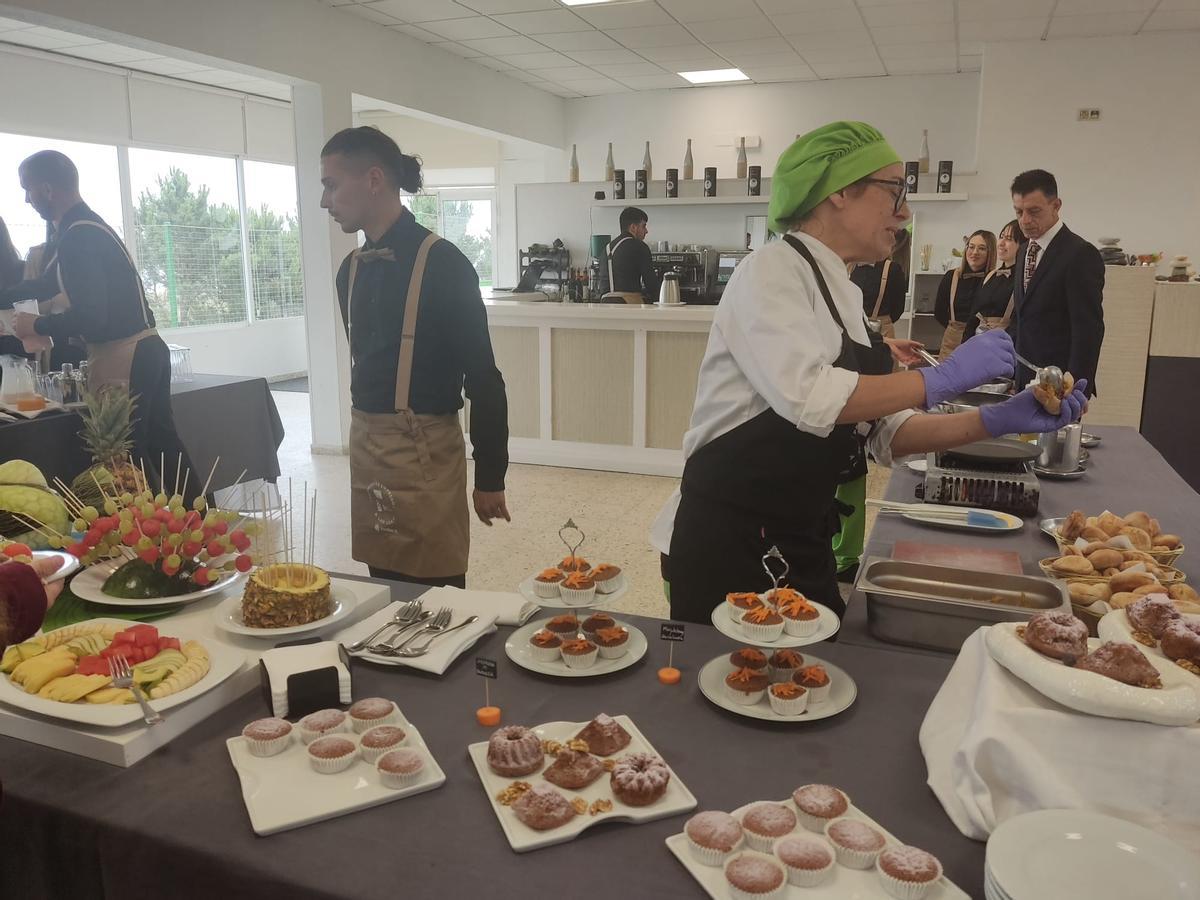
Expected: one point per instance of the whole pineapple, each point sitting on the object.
(107, 426)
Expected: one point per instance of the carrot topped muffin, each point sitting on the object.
(574, 564)
(748, 658)
(788, 698)
(577, 589)
(762, 623)
(778, 596)
(746, 686)
(608, 578)
(739, 603)
(545, 645)
(579, 653)
(800, 617)
(545, 583)
(563, 625)
(612, 642)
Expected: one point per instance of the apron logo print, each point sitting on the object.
(385, 508)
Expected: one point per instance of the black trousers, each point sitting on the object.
(154, 436)
(458, 581)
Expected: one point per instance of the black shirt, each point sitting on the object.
(452, 349)
(991, 300)
(967, 286)
(867, 278)
(93, 268)
(633, 267)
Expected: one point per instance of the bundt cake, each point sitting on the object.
(514, 750)
(1122, 662)
(1180, 642)
(639, 779)
(574, 769)
(1152, 613)
(604, 735)
(542, 808)
(1058, 635)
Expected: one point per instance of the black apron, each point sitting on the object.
(767, 483)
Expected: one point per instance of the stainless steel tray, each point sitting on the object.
(939, 607)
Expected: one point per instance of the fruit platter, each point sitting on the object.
(65, 673)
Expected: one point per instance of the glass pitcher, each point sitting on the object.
(16, 379)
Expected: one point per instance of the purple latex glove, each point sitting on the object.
(979, 360)
(1023, 414)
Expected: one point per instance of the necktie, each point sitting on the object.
(1031, 257)
(384, 253)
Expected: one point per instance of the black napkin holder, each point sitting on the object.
(308, 691)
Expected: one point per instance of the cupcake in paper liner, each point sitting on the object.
(856, 844)
(609, 578)
(332, 754)
(908, 873)
(546, 582)
(379, 740)
(787, 698)
(267, 737)
(577, 589)
(712, 836)
(737, 604)
(755, 876)
(808, 860)
(800, 617)
(400, 768)
(613, 642)
(321, 723)
(815, 680)
(545, 646)
(372, 711)
(746, 686)
(579, 653)
(762, 623)
(783, 664)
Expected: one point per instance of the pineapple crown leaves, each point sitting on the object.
(107, 423)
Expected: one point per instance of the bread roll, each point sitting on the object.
(1110, 523)
(1137, 556)
(1170, 541)
(1087, 594)
(1109, 573)
(1094, 533)
(1138, 519)
(1154, 528)
(1130, 581)
(1072, 550)
(1145, 589)
(1073, 525)
(1073, 565)
(1139, 536)
(1105, 558)
(1093, 546)
(1121, 600)
(1183, 593)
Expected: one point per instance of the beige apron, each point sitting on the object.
(631, 297)
(953, 335)
(887, 327)
(998, 321)
(408, 471)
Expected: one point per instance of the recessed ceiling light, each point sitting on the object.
(711, 76)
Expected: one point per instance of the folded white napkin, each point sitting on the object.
(282, 662)
(441, 653)
(507, 607)
(996, 748)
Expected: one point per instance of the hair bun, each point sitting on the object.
(408, 172)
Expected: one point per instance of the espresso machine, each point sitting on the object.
(694, 267)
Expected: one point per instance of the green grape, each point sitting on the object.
(79, 525)
(197, 536)
(174, 539)
(144, 543)
(176, 500)
(160, 499)
(199, 504)
(126, 498)
(110, 507)
(90, 514)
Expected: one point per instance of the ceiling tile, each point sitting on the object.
(771, 7)
(891, 52)
(991, 11)
(113, 53)
(557, 89)
(544, 22)
(564, 73)
(527, 77)
(791, 58)
(164, 66)
(817, 20)
(625, 15)
(1090, 7)
(839, 54)
(371, 14)
(766, 74)
(926, 65)
(654, 82)
(458, 49)
(45, 38)
(603, 57)
(544, 60)
(629, 69)
(652, 36)
(698, 64)
(925, 13)
(13, 24)
(1173, 5)
(68, 38)
(421, 34)
(493, 7)
(742, 50)
(971, 63)
(497, 65)
(1095, 25)
(848, 70)
(423, 10)
(910, 34)
(744, 29)
(688, 11)
(693, 50)
(505, 45)
(579, 40)
(468, 29)
(828, 40)
(970, 48)
(1173, 20)
(1009, 30)
(595, 86)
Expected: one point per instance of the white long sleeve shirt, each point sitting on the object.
(773, 345)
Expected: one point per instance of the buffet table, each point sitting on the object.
(216, 415)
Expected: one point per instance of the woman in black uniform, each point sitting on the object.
(994, 299)
(957, 290)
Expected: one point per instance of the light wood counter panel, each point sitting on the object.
(1176, 330)
(516, 352)
(1121, 373)
(592, 385)
(672, 369)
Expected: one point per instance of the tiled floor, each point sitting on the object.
(615, 511)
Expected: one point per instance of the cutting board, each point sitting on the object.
(1003, 562)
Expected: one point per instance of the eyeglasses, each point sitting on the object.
(900, 186)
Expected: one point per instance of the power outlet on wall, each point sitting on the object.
(1089, 115)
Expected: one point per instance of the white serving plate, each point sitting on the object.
(1071, 854)
(842, 693)
(728, 626)
(678, 799)
(1175, 703)
(88, 583)
(843, 883)
(557, 602)
(1011, 522)
(1115, 626)
(69, 564)
(284, 791)
(228, 616)
(518, 649)
(51, 406)
(223, 662)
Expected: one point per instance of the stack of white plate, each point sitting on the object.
(1076, 855)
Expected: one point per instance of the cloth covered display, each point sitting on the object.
(283, 662)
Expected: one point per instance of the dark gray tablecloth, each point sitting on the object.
(1125, 474)
(73, 827)
(216, 415)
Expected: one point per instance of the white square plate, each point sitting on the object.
(678, 799)
(285, 791)
(843, 883)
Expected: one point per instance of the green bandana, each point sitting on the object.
(821, 163)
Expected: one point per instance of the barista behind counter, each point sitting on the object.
(631, 272)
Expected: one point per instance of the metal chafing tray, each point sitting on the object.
(939, 607)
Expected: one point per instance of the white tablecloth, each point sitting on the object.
(996, 748)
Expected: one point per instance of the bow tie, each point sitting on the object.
(367, 256)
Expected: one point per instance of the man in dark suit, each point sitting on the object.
(1058, 317)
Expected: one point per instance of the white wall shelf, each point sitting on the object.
(744, 200)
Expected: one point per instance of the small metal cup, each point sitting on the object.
(1060, 449)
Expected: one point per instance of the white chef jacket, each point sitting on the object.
(773, 345)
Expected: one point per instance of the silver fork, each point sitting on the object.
(405, 615)
(411, 652)
(438, 623)
(387, 645)
(122, 677)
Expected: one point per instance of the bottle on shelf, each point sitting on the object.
(647, 165)
(608, 164)
(687, 162)
(573, 175)
(741, 159)
(923, 159)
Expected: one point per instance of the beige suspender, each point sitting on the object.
(954, 292)
(136, 275)
(883, 279)
(612, 288)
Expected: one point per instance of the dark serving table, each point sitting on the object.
(216, 415)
